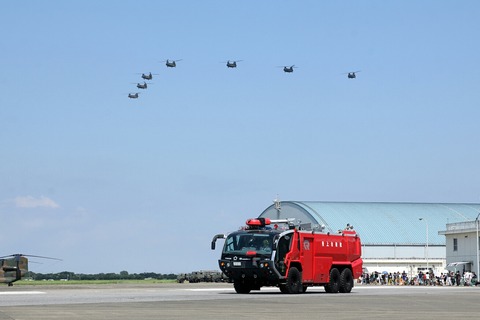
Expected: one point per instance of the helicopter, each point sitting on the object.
(171, 64)
(288, 69)
(352, 75)
(233, 63)
(148, 76)
(142, 86)
(13, 267)
(133, 95)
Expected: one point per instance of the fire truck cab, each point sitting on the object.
(278, 253)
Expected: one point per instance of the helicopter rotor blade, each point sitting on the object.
(42, 257)
(18, 255)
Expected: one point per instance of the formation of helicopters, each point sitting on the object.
(149, 76)
(229, 64)
(13, 267)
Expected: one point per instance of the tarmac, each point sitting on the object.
(219, 301)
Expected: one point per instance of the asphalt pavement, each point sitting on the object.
(219, 301)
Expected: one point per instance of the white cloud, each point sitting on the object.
(32, 202)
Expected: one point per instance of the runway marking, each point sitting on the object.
(226, 289)
(210, 289)
(11, 293)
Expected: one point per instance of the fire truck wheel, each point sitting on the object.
(334, 283)
(241, 287)
(283, 288)
(346, 281)
(294, 281)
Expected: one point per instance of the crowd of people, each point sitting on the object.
(421, 279)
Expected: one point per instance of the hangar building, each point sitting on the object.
(395, 236)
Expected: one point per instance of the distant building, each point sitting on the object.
(462, 245)
(395, 236)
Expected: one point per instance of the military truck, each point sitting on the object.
(201, 276)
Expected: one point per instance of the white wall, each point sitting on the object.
(466, 249)
(403, 252)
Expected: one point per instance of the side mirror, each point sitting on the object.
(214, 240)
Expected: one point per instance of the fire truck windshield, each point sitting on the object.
(240, 243)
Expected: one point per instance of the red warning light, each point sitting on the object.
(258, 222)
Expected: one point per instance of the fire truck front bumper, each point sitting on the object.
(256, 271)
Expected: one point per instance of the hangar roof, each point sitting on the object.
(380, 222)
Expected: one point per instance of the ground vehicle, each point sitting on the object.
(290, 258)
(201, 276)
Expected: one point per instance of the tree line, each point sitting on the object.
(123, 275)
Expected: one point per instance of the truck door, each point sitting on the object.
(283, 247)
(306, 256)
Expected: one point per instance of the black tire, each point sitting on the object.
(346, 281)
(241, 287)
(283, 288)
(334, 283)
(294, 281)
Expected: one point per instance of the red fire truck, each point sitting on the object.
(279, 253)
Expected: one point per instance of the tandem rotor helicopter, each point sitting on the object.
(171, 64)
(13, 267)
(352, 75)
(232, 64)
(148, 76)
(143, 85)
(133, 95)
(288, 69)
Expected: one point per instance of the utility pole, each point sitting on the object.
(426, 244)
(477, 240)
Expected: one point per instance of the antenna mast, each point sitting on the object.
(278, 206)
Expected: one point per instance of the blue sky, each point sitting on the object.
(109, 183)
